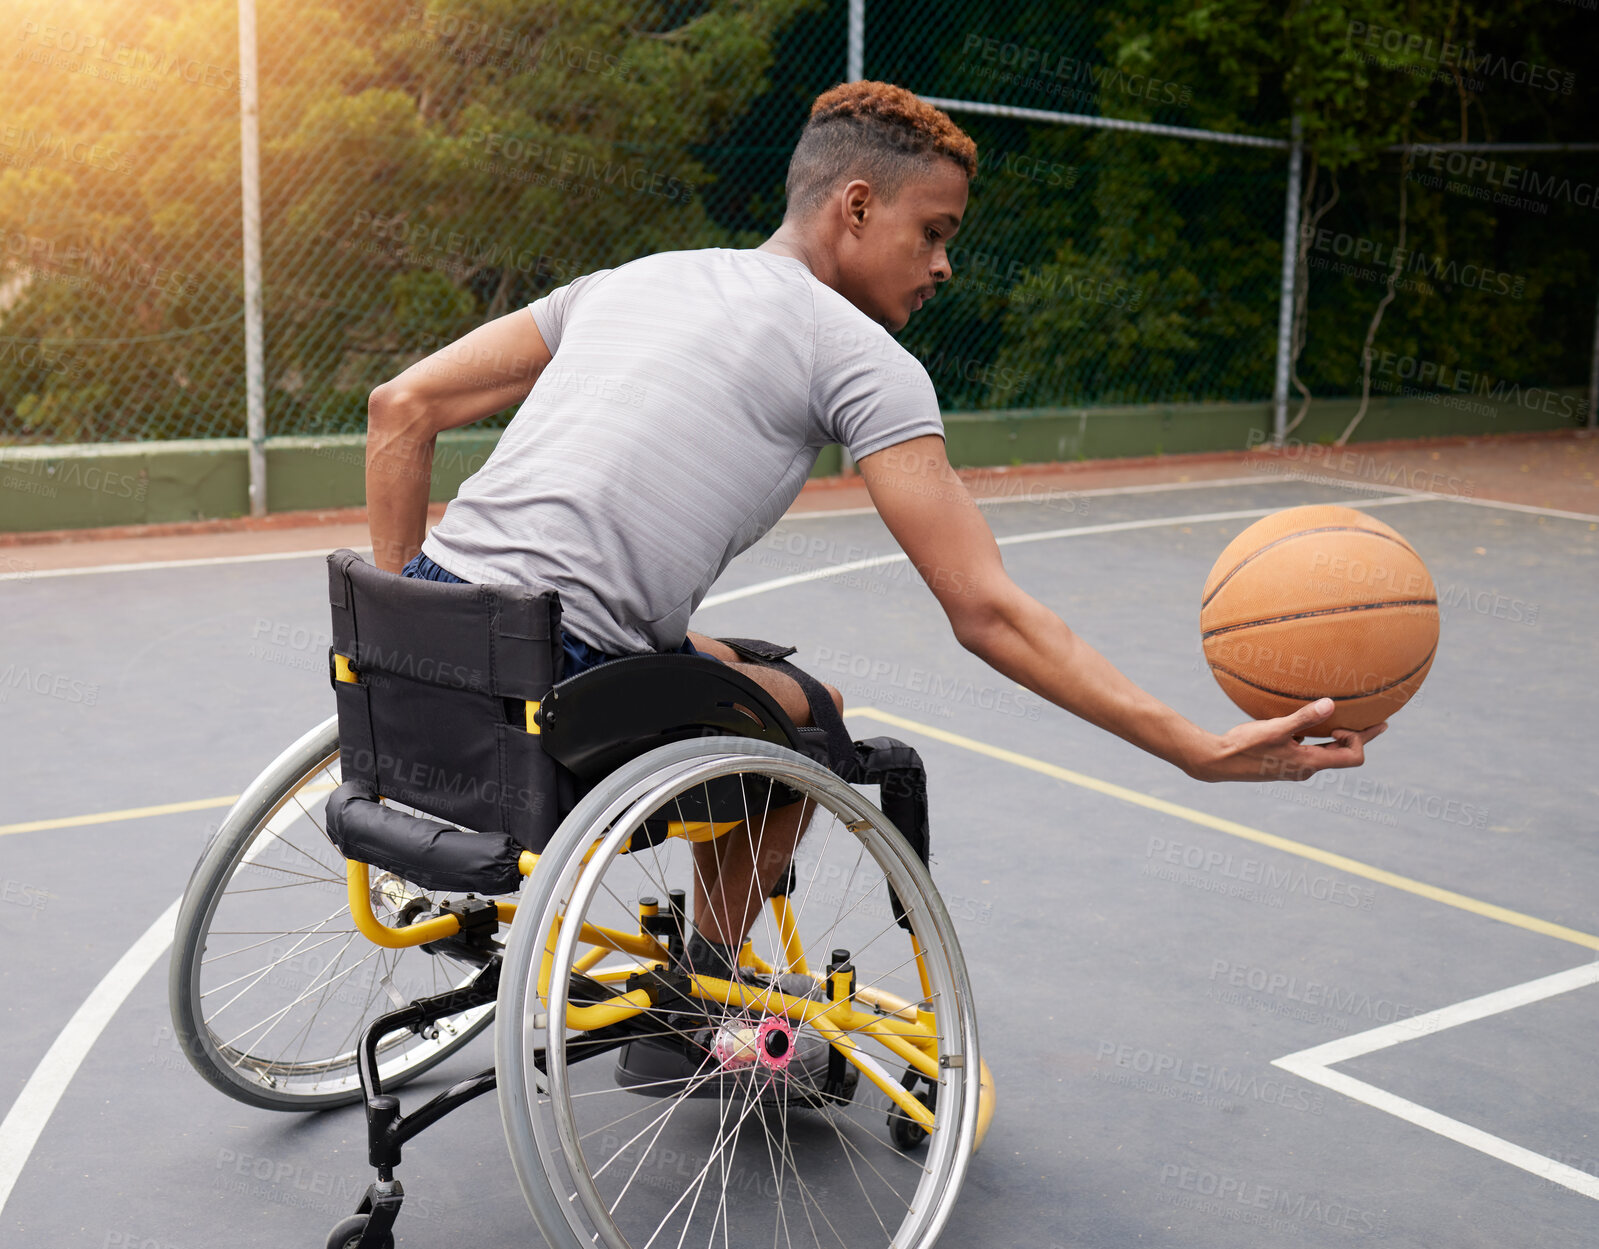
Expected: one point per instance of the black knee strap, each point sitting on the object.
(882, 761)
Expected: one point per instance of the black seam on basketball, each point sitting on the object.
(1337, 698)
(1321, 611)
(1289, 537)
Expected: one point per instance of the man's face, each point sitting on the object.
(893, 252)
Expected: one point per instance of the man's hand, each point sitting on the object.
(1274, 750)
(934, 519)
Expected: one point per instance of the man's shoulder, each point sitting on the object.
(846, 337)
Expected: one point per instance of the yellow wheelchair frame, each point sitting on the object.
(899, 1026)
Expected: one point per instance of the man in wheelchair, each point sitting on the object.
(671, 410)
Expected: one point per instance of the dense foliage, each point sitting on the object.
(426, 167)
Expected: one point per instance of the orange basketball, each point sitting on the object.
(1320, 601)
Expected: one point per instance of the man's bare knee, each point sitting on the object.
(790, 697)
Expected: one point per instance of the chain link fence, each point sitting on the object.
(424, 168)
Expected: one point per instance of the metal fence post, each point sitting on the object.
(855, 62)
(1285, 307)
(854, 71)
(250, 179)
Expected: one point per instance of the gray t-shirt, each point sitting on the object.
(689, 395)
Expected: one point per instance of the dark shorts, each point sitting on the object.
(580, 655)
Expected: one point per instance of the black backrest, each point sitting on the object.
(434, 683)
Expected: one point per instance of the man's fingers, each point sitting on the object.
(1307, 717)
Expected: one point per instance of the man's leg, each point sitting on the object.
(734, 873)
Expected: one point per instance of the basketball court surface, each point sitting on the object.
(1357, 1009)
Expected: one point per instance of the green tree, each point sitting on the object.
(424, 166)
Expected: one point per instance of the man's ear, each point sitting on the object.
(857, 203)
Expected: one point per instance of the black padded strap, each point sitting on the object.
(426, 852)
(882, 761)
(824, 715)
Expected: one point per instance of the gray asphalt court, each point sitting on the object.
(1358, 1009)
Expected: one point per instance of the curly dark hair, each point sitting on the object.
(875, 131)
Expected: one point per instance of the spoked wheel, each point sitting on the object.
(764, 1122)
(270, 983)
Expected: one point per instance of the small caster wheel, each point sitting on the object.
(347, 1234)
(903, 1131)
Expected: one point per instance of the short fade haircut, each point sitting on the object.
(875, 131)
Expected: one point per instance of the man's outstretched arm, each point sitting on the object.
(481, 373)
(930, 513)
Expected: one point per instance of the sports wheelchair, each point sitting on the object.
(475, 839)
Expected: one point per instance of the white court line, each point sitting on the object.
(20, 1129)
(1314, 1065)
(1528, 507)
(1071, 531)
(151, 565)
(1041, 496)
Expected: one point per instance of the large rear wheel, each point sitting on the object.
(270, 983)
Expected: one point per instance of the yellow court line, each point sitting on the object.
(1353, 866)
(111, 817)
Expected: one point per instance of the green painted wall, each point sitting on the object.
(76, 487)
